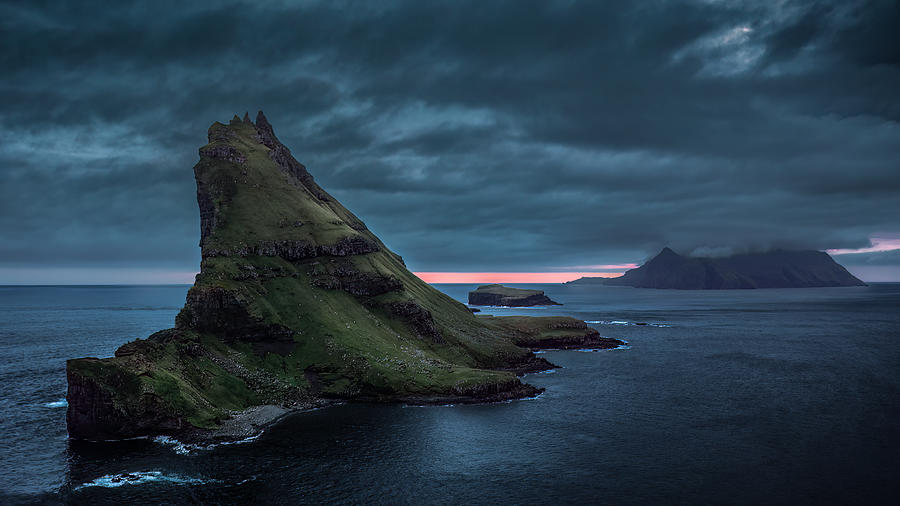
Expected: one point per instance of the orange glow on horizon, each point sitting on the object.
(509, 277)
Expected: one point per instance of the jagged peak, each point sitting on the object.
(219, 132)
(235, 120)
(667, 251)
(266, 134)
(247, 118)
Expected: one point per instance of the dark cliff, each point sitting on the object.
(296, 301)
(774, 269)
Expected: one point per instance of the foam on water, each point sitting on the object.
(142, 477)
(177, 446)
(720, 379)
(512, 307)
(182, 448)
(56, 404)
(622, 322)
(598, 350)
(248, 439)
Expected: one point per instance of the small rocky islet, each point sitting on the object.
(499, 295)
(297, 305)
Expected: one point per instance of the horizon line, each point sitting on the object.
(509, 277)
(464, 282)
(438, 277)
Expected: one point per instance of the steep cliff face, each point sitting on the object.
(774, 269)
(296, 301)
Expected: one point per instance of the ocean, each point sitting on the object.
(740, 397)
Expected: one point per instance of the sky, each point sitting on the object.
(492, 137)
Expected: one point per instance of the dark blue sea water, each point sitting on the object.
(750, 397)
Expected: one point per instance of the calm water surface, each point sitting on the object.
(760, 396)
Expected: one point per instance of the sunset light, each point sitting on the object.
(509, 277)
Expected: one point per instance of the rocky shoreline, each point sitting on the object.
(247, 424)
(250, 423)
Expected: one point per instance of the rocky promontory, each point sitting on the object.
(297, 304)
(499, 295)
(552, 332)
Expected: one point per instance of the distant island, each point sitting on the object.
(298, 304)
(499, 295)
(774, 269)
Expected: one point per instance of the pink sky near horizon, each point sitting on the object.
(101, 276)
(509, 277)
(126, 275)
(138, 276)
(598, 267)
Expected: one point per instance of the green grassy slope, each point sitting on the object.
(296, 300)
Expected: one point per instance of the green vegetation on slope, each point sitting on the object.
(296, 300)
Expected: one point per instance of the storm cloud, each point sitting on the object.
(471, 136)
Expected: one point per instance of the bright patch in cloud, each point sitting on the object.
(878, 244)
(725, 53)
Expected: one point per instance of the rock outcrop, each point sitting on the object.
(499, 295)
(774, 269)
(296, 303)
(559, 333)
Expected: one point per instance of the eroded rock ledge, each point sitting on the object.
(296, 249)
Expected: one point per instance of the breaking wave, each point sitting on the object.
(141, 477)
(622, 322)
(595, 350)
(182, 448)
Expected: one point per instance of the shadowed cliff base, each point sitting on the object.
(297, 304)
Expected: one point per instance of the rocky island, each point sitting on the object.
(773, 269)
(499, 295)
(298, 304)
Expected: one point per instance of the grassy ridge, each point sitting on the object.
(265, 329)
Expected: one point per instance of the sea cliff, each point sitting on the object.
(298, 304)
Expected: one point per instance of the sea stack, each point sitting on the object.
(296, 302)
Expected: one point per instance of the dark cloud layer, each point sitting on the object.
(514, 135)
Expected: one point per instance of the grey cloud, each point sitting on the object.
(469, 135)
